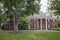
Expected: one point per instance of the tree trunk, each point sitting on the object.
(15, 26)
(16, 22)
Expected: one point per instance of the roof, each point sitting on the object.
(41, 16)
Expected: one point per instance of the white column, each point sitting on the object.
(37, 24)
(29, 24)
(46, 23)
(41, 23)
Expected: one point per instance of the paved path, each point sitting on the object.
(43, 30)
(33, 30)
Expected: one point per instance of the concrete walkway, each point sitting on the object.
(32, 30)
(42, 30)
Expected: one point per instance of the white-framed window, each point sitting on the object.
(48, 20)
(54, 20)
(35, 23)
(48, 26)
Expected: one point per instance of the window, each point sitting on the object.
(54, 20)
(48, 20)
(35, 23)
(48, 26)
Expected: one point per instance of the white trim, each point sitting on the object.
(29, 24)
(46, 23)
(41, 23)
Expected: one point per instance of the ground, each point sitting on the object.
(30, 35)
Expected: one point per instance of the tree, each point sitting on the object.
(55, 5)
(2, 16)
(18, 8)
(23, 23)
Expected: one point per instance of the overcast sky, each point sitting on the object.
(44, 6)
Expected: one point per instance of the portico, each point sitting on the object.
(38, 24)
(41, 22)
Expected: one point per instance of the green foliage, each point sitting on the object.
(58, 20)
(24, 22)
(54, 26)
(58, 29)
(3, 17)
(20, 8)
(55, 5)
(23, 7)
(0, 0)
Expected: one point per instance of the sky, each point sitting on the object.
(44, 6)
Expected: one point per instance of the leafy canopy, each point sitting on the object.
(22, 7)
(55, 5)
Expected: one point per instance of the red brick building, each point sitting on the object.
(41, 22)
(37, 21)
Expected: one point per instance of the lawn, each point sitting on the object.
(30, 35)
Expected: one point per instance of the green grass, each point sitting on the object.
(30, 35)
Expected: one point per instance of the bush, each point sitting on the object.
(23, 23)
(58, 20)
(58, 29)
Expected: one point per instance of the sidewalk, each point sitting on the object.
(32, 30)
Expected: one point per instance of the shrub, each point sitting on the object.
(23, 23)
(58, 29)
